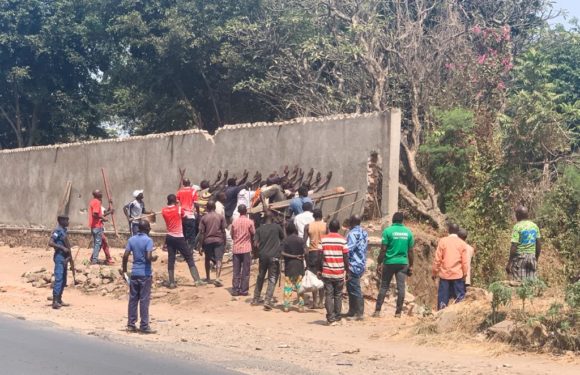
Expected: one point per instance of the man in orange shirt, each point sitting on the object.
(187, 197)
(450, 265)
(96, 220)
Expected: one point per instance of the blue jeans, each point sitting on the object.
(60, 262)
(97, 242)
(139, 294)
(449, 288)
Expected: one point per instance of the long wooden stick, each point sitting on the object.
(181, 175)
(108, 191)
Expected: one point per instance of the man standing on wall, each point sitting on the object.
(267, 240)
(187, 197)
(59, 241)
(357, 242)
(212, 238)
(243, 231)
(141, 246)
(134, 211)
(395, 259)
(173, 215)
(334, 259)
(450, 265)
(97, 216)
(231, 196)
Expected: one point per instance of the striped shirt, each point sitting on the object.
(333, 249)
(242, 231)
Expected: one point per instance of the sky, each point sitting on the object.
(572, 6)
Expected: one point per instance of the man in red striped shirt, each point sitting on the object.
(242, 231)
(334, 258)
(174, 240)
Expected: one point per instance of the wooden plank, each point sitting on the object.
(62, 207)
(318, 197)
(109, 197)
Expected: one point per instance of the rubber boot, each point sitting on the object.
(55, 304)
(195, 276)
(63, 304)
(352, 309)
(171, 283)
(360, 311)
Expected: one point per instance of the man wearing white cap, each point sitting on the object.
(134, 211)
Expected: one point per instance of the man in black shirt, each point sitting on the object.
(267, 240)
(293, 251)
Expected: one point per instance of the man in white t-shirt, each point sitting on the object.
(306, 217)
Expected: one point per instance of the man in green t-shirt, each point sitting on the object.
(526, 248)
(395, 259)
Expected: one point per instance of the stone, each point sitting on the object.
(33, 277)
(477, 294)
(94, 282)
(81, 278)
(107, 281)
(47, 277)
(111, 288)
(502, 330)
(447, 320)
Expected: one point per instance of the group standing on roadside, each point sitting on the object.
(307, 243)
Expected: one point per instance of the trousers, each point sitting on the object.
(241, 271)
(139, 296)
(60, 262)
(270, 266)
(333, 290)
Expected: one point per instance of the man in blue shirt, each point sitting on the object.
(296, 203)
(141, 245)
(59, 241)
(357, 242)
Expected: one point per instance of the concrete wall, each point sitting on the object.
(33, 179)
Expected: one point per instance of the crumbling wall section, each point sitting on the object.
(34, 179)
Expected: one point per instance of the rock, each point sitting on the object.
(38, 270)
(36, 284)
(94, 282)
(47, 277)
(81, 278)
(107, 281)
(447, 320)
(502, 330)
(33, 277)
(111, 288)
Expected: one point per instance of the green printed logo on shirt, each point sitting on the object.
(525, 234)
(398, 239)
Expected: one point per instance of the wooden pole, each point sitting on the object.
(108, 192)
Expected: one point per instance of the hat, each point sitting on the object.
(136, 193)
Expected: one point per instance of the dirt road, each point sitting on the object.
(208, 324)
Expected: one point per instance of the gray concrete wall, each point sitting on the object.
(33, 179)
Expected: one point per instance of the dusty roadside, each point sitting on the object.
(207, 323)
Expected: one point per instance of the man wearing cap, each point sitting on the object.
(134, 210)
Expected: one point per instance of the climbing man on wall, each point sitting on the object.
(187, 197)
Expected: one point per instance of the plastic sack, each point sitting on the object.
(310, 283)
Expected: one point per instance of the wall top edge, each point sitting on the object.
(295, 121)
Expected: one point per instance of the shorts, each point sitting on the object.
(214, 251)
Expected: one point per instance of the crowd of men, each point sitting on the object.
(203, 218)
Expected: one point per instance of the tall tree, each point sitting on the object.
(49, 71)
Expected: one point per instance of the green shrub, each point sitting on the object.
(502, 296)
(573, 295)
(529, 289)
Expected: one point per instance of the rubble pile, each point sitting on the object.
(90, 278)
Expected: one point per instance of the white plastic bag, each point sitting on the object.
(310, 283)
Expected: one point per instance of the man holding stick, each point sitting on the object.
(97, 216)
